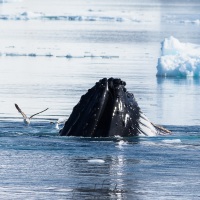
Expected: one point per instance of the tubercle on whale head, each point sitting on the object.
(107, 109)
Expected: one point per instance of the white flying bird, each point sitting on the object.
(27, 119)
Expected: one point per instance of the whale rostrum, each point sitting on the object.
(107, 110)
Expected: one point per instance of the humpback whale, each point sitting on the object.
(27, 119)
(107, 110)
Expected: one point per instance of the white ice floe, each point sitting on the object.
(197, 21)
(96, 161)
(178, 59)
(81, 16)
(39, 53)
(28, 15)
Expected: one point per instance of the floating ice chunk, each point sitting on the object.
(197, 21)
(45, 54)
(86, 16)
(96, 161)
(30, 15)
(178, 59)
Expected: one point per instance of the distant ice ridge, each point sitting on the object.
(183, 19)
(17, 52)
(9, 1)
(68, 56)
(178, 59)
(86, 16)
(23, 16)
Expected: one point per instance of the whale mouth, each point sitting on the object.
(106, 110)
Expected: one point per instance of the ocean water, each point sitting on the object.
(51, 53)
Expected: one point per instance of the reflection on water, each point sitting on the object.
(117, 166)
(106, 180)
(178, 98)
(59, 167)
(181, 81)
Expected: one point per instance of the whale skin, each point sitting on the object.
(107, 110)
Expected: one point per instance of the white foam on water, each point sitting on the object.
(172, 141)
(121, 143)
(178, 59)
(117, 136)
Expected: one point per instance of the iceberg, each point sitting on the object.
(178, 59)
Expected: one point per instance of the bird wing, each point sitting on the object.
(20, 111)
(38, 113)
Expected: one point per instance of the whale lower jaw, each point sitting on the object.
(106, 110)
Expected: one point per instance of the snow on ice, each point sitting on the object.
(178, 59)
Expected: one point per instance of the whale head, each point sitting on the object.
(107, 110)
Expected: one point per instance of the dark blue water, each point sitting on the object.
(36, 163)
(50, 62)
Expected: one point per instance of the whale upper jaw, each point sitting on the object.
(106, 110)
